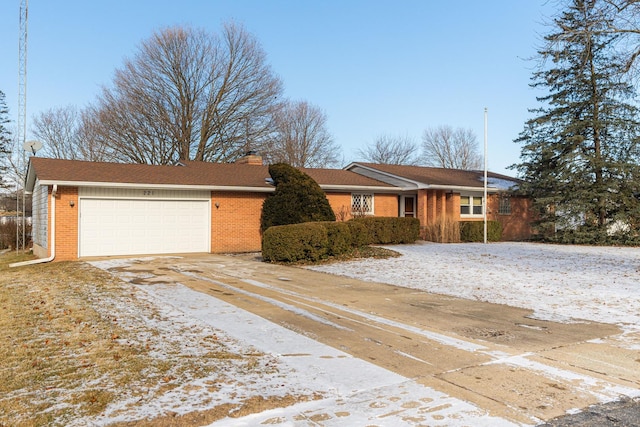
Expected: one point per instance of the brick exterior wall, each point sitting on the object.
(517, 225)
(235, 223)
(66, 223)
(341, 205)
(383, 205)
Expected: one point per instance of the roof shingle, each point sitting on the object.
(186, 174)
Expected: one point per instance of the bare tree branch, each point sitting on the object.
(301, 138)
(446, 147)
(392, 150)
(188, 95)
(5, 138)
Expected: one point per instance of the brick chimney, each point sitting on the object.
(250, 158)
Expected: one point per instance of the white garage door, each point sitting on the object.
(134, 227)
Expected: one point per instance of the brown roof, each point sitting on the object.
(439, 176)
(342, 177)
(192, 173)
(187, 174)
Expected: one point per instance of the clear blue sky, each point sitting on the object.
(375, 67)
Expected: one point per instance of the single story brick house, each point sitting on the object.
(85, 209)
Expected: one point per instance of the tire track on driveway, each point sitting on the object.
(494, 356)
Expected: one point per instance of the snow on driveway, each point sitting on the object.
(565, 283)
(560, 283)
(354, 392)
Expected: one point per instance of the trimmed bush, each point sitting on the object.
(359, 233)
(389, 230)
(290, 243)
(313, 241)
(297, 199)
(473, 231)
(339, 240)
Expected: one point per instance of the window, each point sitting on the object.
(362, 204)
(470, 205)
(504, 206)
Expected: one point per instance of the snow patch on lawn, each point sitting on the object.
(559, 283)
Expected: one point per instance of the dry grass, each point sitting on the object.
(444, 230)
(74, 340)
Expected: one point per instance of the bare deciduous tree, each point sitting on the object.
(301, 138)
(66, 133)
(57, 129)
(446, 147)
(391, 150)
(5, 138)
(188, 95)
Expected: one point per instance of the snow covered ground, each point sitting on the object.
(560, 283)
(565, 283)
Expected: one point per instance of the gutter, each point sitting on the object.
(53, 235)
(160, 186)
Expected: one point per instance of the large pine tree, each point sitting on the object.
(580, 152)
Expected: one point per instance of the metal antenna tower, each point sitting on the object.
(22, 104)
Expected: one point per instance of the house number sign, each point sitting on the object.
(147, 192)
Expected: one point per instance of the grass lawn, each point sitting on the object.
(77, 344)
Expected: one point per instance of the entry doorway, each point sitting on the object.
(408, 206)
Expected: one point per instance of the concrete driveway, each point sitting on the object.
(518, 369)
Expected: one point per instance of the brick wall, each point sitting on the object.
(517, 225)
(235, 223)
(66, 224)
(383, 205)
(341, 205)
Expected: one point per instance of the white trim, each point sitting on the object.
(403, 198)
(142, 185)
(417, 184)
(356, 188)
(471, 205)
(372, 209)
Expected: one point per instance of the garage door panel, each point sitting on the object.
(132, 227)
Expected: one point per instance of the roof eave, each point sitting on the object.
(345, 188)
(459, 188)
(29, 178)
(413, 184)
(159, 186)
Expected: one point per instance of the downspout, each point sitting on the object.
(54, 192)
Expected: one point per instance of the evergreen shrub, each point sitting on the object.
(389, 230)
(359, 233)
(339, 239)
(295, 242)
(297, 199)
(473, 231)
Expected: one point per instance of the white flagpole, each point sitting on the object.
(486, 202)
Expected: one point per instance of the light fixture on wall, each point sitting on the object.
(72, 203)
(217, 205)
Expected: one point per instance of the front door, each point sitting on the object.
(408, 208)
